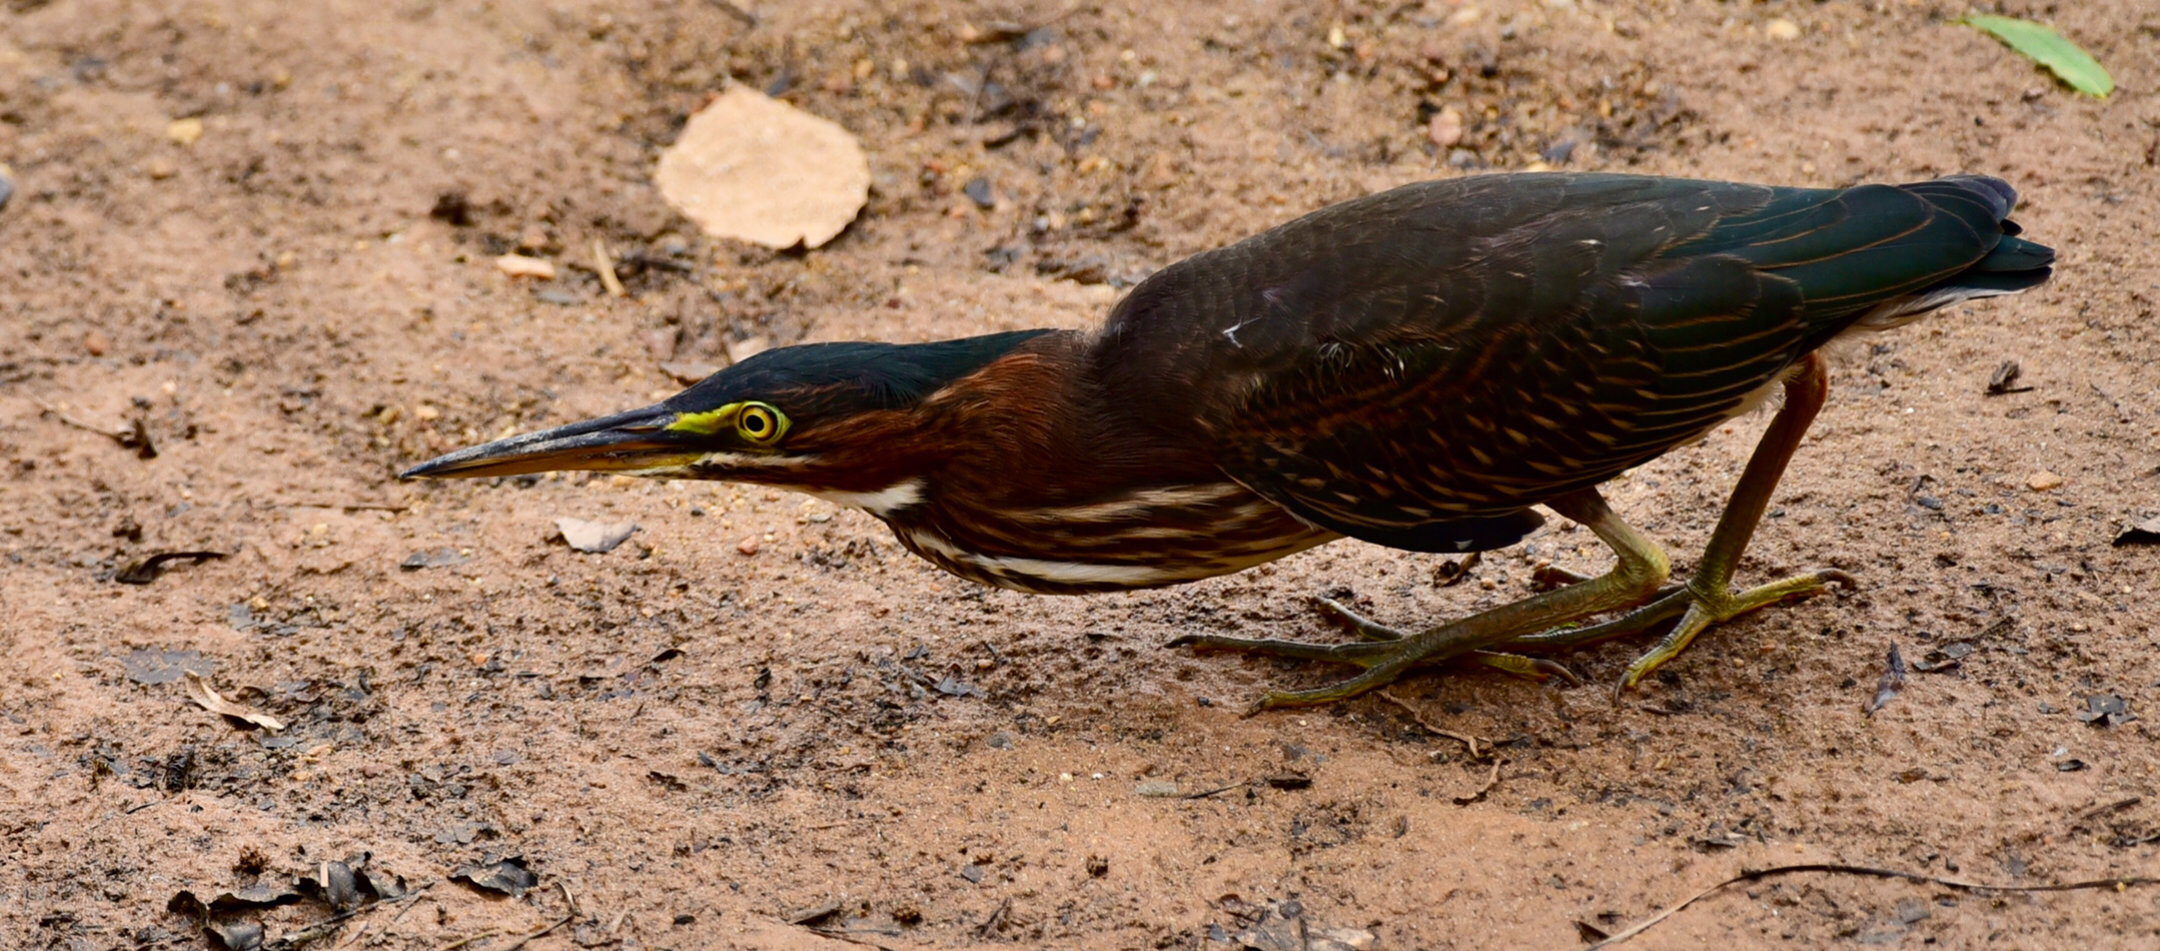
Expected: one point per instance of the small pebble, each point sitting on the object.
(1445, 128)
(96, 343)
(184, 131)
(1781, 29)
(2043, 481)
(748, 546)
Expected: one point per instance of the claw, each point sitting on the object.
(1375, 676)
(1704, 609)
(1388, 653)
(1535, 668)
(1554, 576)
(1365, 627)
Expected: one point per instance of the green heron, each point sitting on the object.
(1416, 368)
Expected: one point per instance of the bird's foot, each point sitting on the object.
(1385, 653)
(1367, 628)
(1703, 609)
(1534, 668)
(1695, 610)
(1552, 577)
(1383, 660)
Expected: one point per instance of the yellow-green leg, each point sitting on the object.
(1535, 668)
(1708, 597)
(1386, 654)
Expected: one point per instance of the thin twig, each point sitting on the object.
(461, 942)
(56, 413)
(1753, 875)
(804, 917)
(324, 927)
(559, 922)
(851, 938)
(349, 506)
(606, 266)
(2106, 807)
(1491, 779)
(747, 18)
(1419, 718)
(1217, 791)
(415, 893)
(995, 921)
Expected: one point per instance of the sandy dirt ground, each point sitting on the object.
(261, 236)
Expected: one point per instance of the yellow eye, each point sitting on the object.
(760, 424)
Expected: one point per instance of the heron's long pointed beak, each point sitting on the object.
(638, 439)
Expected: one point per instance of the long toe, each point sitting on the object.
(1367, 628)
(1534, 668)
(1374, 678)
(1702, 611)
(1362, 654)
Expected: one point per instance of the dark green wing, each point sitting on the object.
(1418, 367)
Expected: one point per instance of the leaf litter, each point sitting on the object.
(756, 169)
(594, 538)
(2068, 61)
(199, 690)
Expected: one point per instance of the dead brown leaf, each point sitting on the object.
(199, 691)
(760, 170)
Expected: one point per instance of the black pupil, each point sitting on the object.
(757, 424)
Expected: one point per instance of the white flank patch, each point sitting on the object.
(1037, 569)
(1898, 313)
(882, 503)
(1757, 397)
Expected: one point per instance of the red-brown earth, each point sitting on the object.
(762, 707)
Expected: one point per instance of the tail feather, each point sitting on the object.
(2013, 265)
(2016, 256)
(1994, 192)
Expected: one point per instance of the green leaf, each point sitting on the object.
(2048, 48)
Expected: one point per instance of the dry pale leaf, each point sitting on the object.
(760, 170)
(518, 265)
(594, 537)
(199, 691)
(2146, 532)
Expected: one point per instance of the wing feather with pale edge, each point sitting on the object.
(1417, 367)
